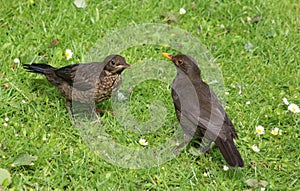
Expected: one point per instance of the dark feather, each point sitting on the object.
(230, 152)
(38, 68)
(200, 112)
(67, 73)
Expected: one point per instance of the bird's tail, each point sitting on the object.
(38, 68)
(230, 152)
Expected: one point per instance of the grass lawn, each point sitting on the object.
(256, 44)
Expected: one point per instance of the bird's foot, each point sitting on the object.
(101, 111)
(96, 115)
(204, 146)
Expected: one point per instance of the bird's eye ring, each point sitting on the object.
(179, 62)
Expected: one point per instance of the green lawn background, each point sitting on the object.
(33, 118)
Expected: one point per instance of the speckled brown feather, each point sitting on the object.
(86, 83)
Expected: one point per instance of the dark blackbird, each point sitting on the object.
(86, 83)
(199, 111)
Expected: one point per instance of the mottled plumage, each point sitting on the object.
(199, 111)
(85, 83)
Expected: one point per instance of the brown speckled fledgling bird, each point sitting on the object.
(199, 111)
(86, 83)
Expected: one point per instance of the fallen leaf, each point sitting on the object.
(263, 183)
(43, 52)
(5, 85)
(256, 19)
(265, 164)
(23, 159)
(254, 183)
(54, 42)
(5, 178)
(80, 3)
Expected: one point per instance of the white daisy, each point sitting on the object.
(143, 142)
(259, 130)
(275, 131)
(17, 60)
(182, 11)
(255, 148)
(225, 168)
(294, 108)
(68, 54)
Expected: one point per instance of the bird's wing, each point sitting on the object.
(201, 107)
(176, 102)
(67, 73)
(187, 125)
(219, 113)
(81, 76)
(213, 115)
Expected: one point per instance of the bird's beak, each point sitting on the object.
(123, 66)
(168, 56)
(118, 69)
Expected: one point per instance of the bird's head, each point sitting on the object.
(184, 63)
(115, 64)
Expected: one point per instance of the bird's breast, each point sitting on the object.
(106, 86)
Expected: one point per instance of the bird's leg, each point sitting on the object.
(205, 145)
(94, 111)
(68, 106)
(205, 149)
(101, 111)
(187, 139)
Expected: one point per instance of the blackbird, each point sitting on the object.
(85, 83)
(199, 111)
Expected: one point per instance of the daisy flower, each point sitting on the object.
(294, 108)
(259, 130)
(143, 142)
(205, 174)
(255, 148)
(225, 168)
(17, 60)
(275, 131)
(68, 54)
(182, 11)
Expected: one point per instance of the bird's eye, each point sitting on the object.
(179, 62)
(112, 62)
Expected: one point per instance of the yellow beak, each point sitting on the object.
(168, 56)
